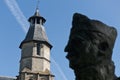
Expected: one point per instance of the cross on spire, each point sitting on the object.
(37, 9)
(37, 6)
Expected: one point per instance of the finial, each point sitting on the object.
(37, 7)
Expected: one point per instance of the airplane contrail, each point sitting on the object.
(17, 13)
(15, 10)
(59, 69)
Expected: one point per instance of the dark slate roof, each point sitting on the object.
(7, 78)
(36, 32)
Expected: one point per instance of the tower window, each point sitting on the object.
(33, 22)
(38, 21)
(39, 46)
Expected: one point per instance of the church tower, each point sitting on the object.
(35, 51)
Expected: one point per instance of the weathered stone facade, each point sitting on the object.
(35, 52)
(30, 59)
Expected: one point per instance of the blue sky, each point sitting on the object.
(58, 14)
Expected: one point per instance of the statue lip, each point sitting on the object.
(78, 65)
(70, 55)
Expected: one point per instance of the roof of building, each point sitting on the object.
(36, 32)
(7, 78)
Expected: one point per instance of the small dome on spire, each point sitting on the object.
(37, 12)
(37, 15)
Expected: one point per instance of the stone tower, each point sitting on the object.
(35, 51)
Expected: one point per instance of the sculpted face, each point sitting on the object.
(86, 48)
(89, 49)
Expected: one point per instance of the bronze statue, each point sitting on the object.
(90, 48)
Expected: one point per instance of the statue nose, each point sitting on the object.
(68, 48)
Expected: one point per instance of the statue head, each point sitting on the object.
(89, 49)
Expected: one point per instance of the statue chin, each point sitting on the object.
(97, 72)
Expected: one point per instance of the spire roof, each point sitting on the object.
(36, 31)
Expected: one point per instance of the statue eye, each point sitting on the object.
(103, 46)
(77, 42)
